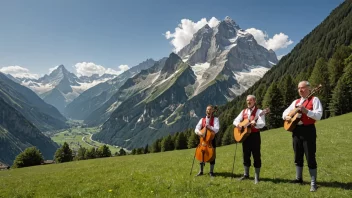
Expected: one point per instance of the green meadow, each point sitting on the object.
(167, 174)
(77, 137)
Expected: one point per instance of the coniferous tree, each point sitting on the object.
(146, 149)
(288, 90)
(156, 146)
(122, 152)
(228, 137)
(181, 142)
(139, 151)
(90, 153)
(193, 141)
(103, 151)
(167, 144)
(81, 153)
(341, 101)
(320, 75)
(336, 64)
(63, 154)
(273, 99)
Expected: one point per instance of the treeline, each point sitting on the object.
(33, 156)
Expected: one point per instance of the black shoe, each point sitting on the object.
(244, 177)
(297, 181)
(211, 174)
(313, 188)
(199, 174)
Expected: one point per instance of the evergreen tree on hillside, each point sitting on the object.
(274, 100)
(259, 94)
(146, 149)
(181, 142)
(103, 151)
(63, 154)
(320, 75)
(139, 151)
(336, 64)
(156, 146)
(288, 90)
(29, 157)
(122, 152)
(228, 137)
(193, 141)
(81, 153)
(167, 144)
(90, 153)
(341, 101)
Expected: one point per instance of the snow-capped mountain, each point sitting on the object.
(96, 96)
(60, 87)
(217, 65)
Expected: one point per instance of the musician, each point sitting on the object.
(304, 134)
(211, 122)
(251, 145)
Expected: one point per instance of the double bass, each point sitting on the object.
(205, 151)
(241, 134)
(290, 125)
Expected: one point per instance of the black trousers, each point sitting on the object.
(213, 143)
(304, 143)
(251, 146)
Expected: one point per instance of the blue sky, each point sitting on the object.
(38, 35)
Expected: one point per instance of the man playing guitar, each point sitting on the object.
(251, 145)
(304, 134)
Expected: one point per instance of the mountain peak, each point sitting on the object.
(230, 22)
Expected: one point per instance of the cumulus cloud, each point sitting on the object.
(89, 68)
(185, 30)
(124, 67)
(18, 71)
(278, 41)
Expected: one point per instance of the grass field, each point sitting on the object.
(167, 174)
(77, 137)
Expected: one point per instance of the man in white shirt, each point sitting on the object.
(251, 145)
(304, 135)
(211, 123)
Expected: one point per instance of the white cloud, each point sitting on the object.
(278, 41)
(124, 67)
(88, 69)
(18, 71)
(184, 32)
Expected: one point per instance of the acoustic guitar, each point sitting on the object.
(290, 125)
(241, 134)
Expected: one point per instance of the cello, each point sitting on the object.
(205, 152)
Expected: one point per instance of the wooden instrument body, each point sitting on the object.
(241, 134)
(290, 125)
(205, 151)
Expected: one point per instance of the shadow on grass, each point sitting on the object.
(227, 174)
(333, 184)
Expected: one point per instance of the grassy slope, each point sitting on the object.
(167, 174)
(74, 136)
